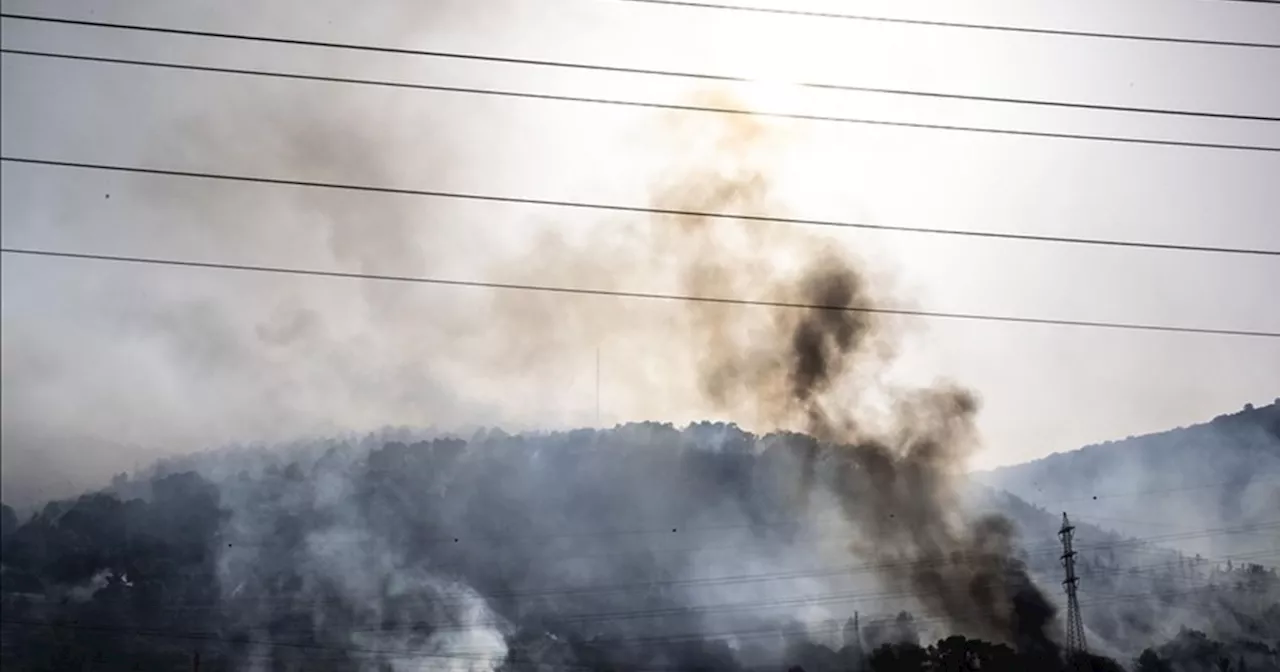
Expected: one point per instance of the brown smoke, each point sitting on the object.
(808, 369)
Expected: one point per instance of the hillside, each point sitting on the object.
(546, 547)
(1195, 487)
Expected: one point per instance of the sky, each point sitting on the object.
(107, 366)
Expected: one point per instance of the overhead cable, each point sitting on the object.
(722, 7)
(586, 291)
(669, 73)
(636, 209)
(815, 628)
(684, 74)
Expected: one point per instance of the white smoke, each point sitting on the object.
(363, 598)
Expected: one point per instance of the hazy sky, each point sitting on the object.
(105, 365)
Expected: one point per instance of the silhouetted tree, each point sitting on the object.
(899, 657)
(1088, 662)
(1150, 661)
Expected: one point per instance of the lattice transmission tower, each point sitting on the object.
(1075, 627)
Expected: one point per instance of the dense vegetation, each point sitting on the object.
(1218, 474)
(645, 547)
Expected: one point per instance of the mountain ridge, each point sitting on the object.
(1223, 473)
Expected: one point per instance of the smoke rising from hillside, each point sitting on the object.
(809, 369)
(277, 359)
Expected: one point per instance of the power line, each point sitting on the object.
(958, 24)
(584, 291)
(1044, 550)
(687, 583)
(1226, 484)
(636, 209)
(656, 72)
(825, 597)
(816, 599)
(660, 73)
(824, 627)
(1182, 536)
(820, 527)
(826, 525)
(1101, 520)
(653, 612)
(214, 637)
(1099, 599)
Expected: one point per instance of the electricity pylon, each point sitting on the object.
(1075, 627)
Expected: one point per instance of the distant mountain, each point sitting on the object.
(1193, 488)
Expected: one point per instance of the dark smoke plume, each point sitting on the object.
(360, 548)
(817, 369)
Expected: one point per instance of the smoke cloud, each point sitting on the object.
(817, 368)
(277, 360)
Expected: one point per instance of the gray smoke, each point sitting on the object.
(280, 357)
(817, 368)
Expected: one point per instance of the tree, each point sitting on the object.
(8, 520)
(1088, 662)
(898, 657)
(955, 653)
(1150, 661)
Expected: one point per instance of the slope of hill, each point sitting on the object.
(1212, 488)
(516, 547)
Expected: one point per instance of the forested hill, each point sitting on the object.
(1210, 483)
(641, 547)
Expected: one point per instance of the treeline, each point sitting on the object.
(1234, 460)
(516, 552)
(952, 654)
